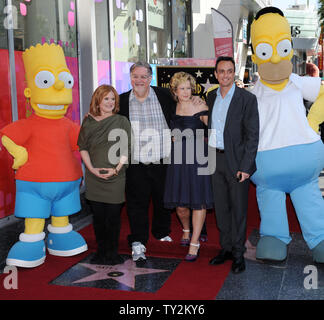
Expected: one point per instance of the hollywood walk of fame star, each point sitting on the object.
(199, 74)
(207, 85)
(123, 273)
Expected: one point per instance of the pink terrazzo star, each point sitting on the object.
(123, 273)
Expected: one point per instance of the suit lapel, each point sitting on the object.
(124, 104)
(232, 108)
(213, 95)
(163, 104)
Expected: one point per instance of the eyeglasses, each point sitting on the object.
(136, 77)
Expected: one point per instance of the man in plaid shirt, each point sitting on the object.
(149, 110)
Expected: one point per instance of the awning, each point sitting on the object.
(305, 43)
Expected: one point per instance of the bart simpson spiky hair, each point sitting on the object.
(42, 55)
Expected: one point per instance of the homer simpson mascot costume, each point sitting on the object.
(290, 153)
(48, 174)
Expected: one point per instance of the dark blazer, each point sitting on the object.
(164, 96)
(241, 131)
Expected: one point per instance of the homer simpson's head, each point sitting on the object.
(49, 81)
(272, 46)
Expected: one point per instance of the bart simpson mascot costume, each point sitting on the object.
(48, 174)
(290, 153)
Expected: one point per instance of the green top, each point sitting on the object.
(105, 140)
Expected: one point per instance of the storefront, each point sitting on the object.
(100, 39)
(305, 32)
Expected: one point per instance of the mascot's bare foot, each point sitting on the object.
(318, 252)
(271, 248)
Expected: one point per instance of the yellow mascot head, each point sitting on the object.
(272, 47)
(49, 81)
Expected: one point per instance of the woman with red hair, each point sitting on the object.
(105, 160)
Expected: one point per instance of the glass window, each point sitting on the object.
(159, 24)
(102, 29)
(129, 30)
(4, 18)
(102, 37)
(129, 38)
(41, 21)
(181, 28)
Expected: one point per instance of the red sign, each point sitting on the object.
(320, 52)
(223, 47)
(320, 59)
(223, 34)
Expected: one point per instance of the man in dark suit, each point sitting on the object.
(149, 110)
(233, 141)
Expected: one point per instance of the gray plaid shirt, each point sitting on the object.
(151, 134)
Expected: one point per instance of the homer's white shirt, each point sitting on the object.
(282, 114)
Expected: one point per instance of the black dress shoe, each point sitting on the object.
(221, 257)
(238, 265)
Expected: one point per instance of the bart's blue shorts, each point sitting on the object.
(44, 199)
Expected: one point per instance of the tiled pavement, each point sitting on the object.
(296, 278)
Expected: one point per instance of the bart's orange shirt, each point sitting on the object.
(50, 145)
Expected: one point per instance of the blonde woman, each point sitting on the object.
(185, 189)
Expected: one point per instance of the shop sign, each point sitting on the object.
(244, 30)
(155, 10)
(320, 59)
(295, 31)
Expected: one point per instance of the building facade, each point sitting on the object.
(305, 31)
(240, 13)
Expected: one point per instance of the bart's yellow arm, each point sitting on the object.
(19, 153)
(316, 113)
